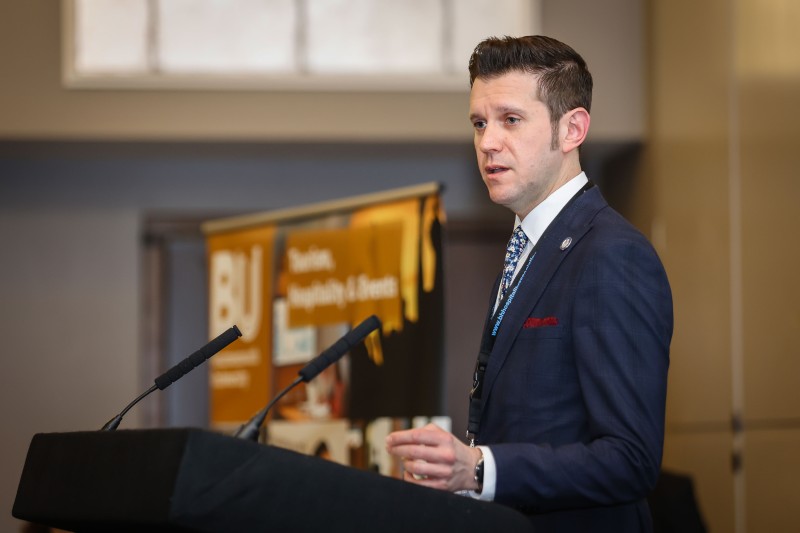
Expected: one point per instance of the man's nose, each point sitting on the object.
(491, 139)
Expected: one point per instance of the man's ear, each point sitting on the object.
(574, 127)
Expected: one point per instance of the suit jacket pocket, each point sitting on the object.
(542, 332)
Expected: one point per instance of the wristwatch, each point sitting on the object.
(479, 473)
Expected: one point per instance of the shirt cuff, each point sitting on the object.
(489, 478)
(489, 475)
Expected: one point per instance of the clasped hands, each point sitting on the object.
(434, 458)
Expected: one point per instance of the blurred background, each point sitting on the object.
(104, 184)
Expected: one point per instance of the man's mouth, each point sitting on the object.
(494, 169)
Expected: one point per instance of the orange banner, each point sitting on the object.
(240, 292)
(343, 275)
(295, 285)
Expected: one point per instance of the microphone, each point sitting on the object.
(250, 429)
(181, 369)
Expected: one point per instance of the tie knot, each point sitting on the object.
(518, 238)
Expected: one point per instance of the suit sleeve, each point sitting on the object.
(619, 335)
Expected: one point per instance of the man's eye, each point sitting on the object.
(479, 124)
(512, 120)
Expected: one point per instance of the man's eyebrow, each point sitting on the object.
(504, 110)
(511, 110)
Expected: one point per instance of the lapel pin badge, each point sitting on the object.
(565, 243)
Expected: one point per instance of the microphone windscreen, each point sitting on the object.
(184, 367)
(339, 348)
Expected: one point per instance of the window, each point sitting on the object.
(283, 44)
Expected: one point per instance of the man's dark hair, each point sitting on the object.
(564, 80)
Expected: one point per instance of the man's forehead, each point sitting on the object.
(521, 73)
(516, 83)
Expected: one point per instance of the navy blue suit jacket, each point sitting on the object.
(575, 388)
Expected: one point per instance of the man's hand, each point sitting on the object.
(435, 458)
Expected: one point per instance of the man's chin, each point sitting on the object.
(499, 197)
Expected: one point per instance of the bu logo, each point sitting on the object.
(236, 291)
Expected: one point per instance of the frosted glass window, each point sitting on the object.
(286, 44)
(364, 36)
(226, 36)
(110, 37)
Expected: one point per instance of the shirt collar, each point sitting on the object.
(543, 214)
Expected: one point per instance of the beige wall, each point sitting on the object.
(33, 104)
(725, 88)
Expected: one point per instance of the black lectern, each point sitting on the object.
(196, 481)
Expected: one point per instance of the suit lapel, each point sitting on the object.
(574, 222)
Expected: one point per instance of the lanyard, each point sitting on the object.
(498, 316)
(475, 395)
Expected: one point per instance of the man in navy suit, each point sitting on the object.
(567, 406)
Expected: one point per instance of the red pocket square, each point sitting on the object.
(540, 322)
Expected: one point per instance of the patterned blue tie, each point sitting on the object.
(514, 249)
